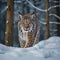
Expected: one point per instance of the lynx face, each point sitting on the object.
(26, 23)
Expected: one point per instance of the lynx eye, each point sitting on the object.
(21, 30)
(31, 31)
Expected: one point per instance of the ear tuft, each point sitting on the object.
(19, 13)
(33, 15)
(20, 16)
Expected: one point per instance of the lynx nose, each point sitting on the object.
(27, 26)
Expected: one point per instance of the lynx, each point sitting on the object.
(28, 30)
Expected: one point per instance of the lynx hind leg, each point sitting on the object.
(22, 43)
(30, 41)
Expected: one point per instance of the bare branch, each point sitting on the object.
(42, 10)
(56, 1)
(55, 15)
(53, 7)
(36, 7)
(49, 23)
(17, 1)
(54, 23)
(4, 9)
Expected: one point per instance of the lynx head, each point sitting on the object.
(26, 22)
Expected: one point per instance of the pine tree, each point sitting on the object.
(47, 20)
(56, 11)
(9, 23)
(0, 21)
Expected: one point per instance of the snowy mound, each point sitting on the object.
(45, 50)
(52, 42)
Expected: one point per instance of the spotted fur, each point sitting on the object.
(28, 30)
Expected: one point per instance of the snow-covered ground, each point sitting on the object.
(45, 50)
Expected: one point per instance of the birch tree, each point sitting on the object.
(56, 11)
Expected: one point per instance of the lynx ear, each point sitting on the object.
(32, 15)
(20, 16)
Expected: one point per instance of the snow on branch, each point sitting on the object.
(49, 23)
(54, 23)
(42, 22)
(4, 9)
(17, 1)
(55, 15)
(42, 10)
(53, 30)
(53, 7)
(56, 1)
(36, 7)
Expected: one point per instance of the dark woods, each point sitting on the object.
(10, 9)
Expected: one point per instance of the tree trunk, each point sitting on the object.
(9, 23)
(0, 20)
(56, 11)
(47, 20)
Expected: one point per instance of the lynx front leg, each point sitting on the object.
(30, 41)
(22, 43)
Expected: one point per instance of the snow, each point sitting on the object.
(45, 50)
